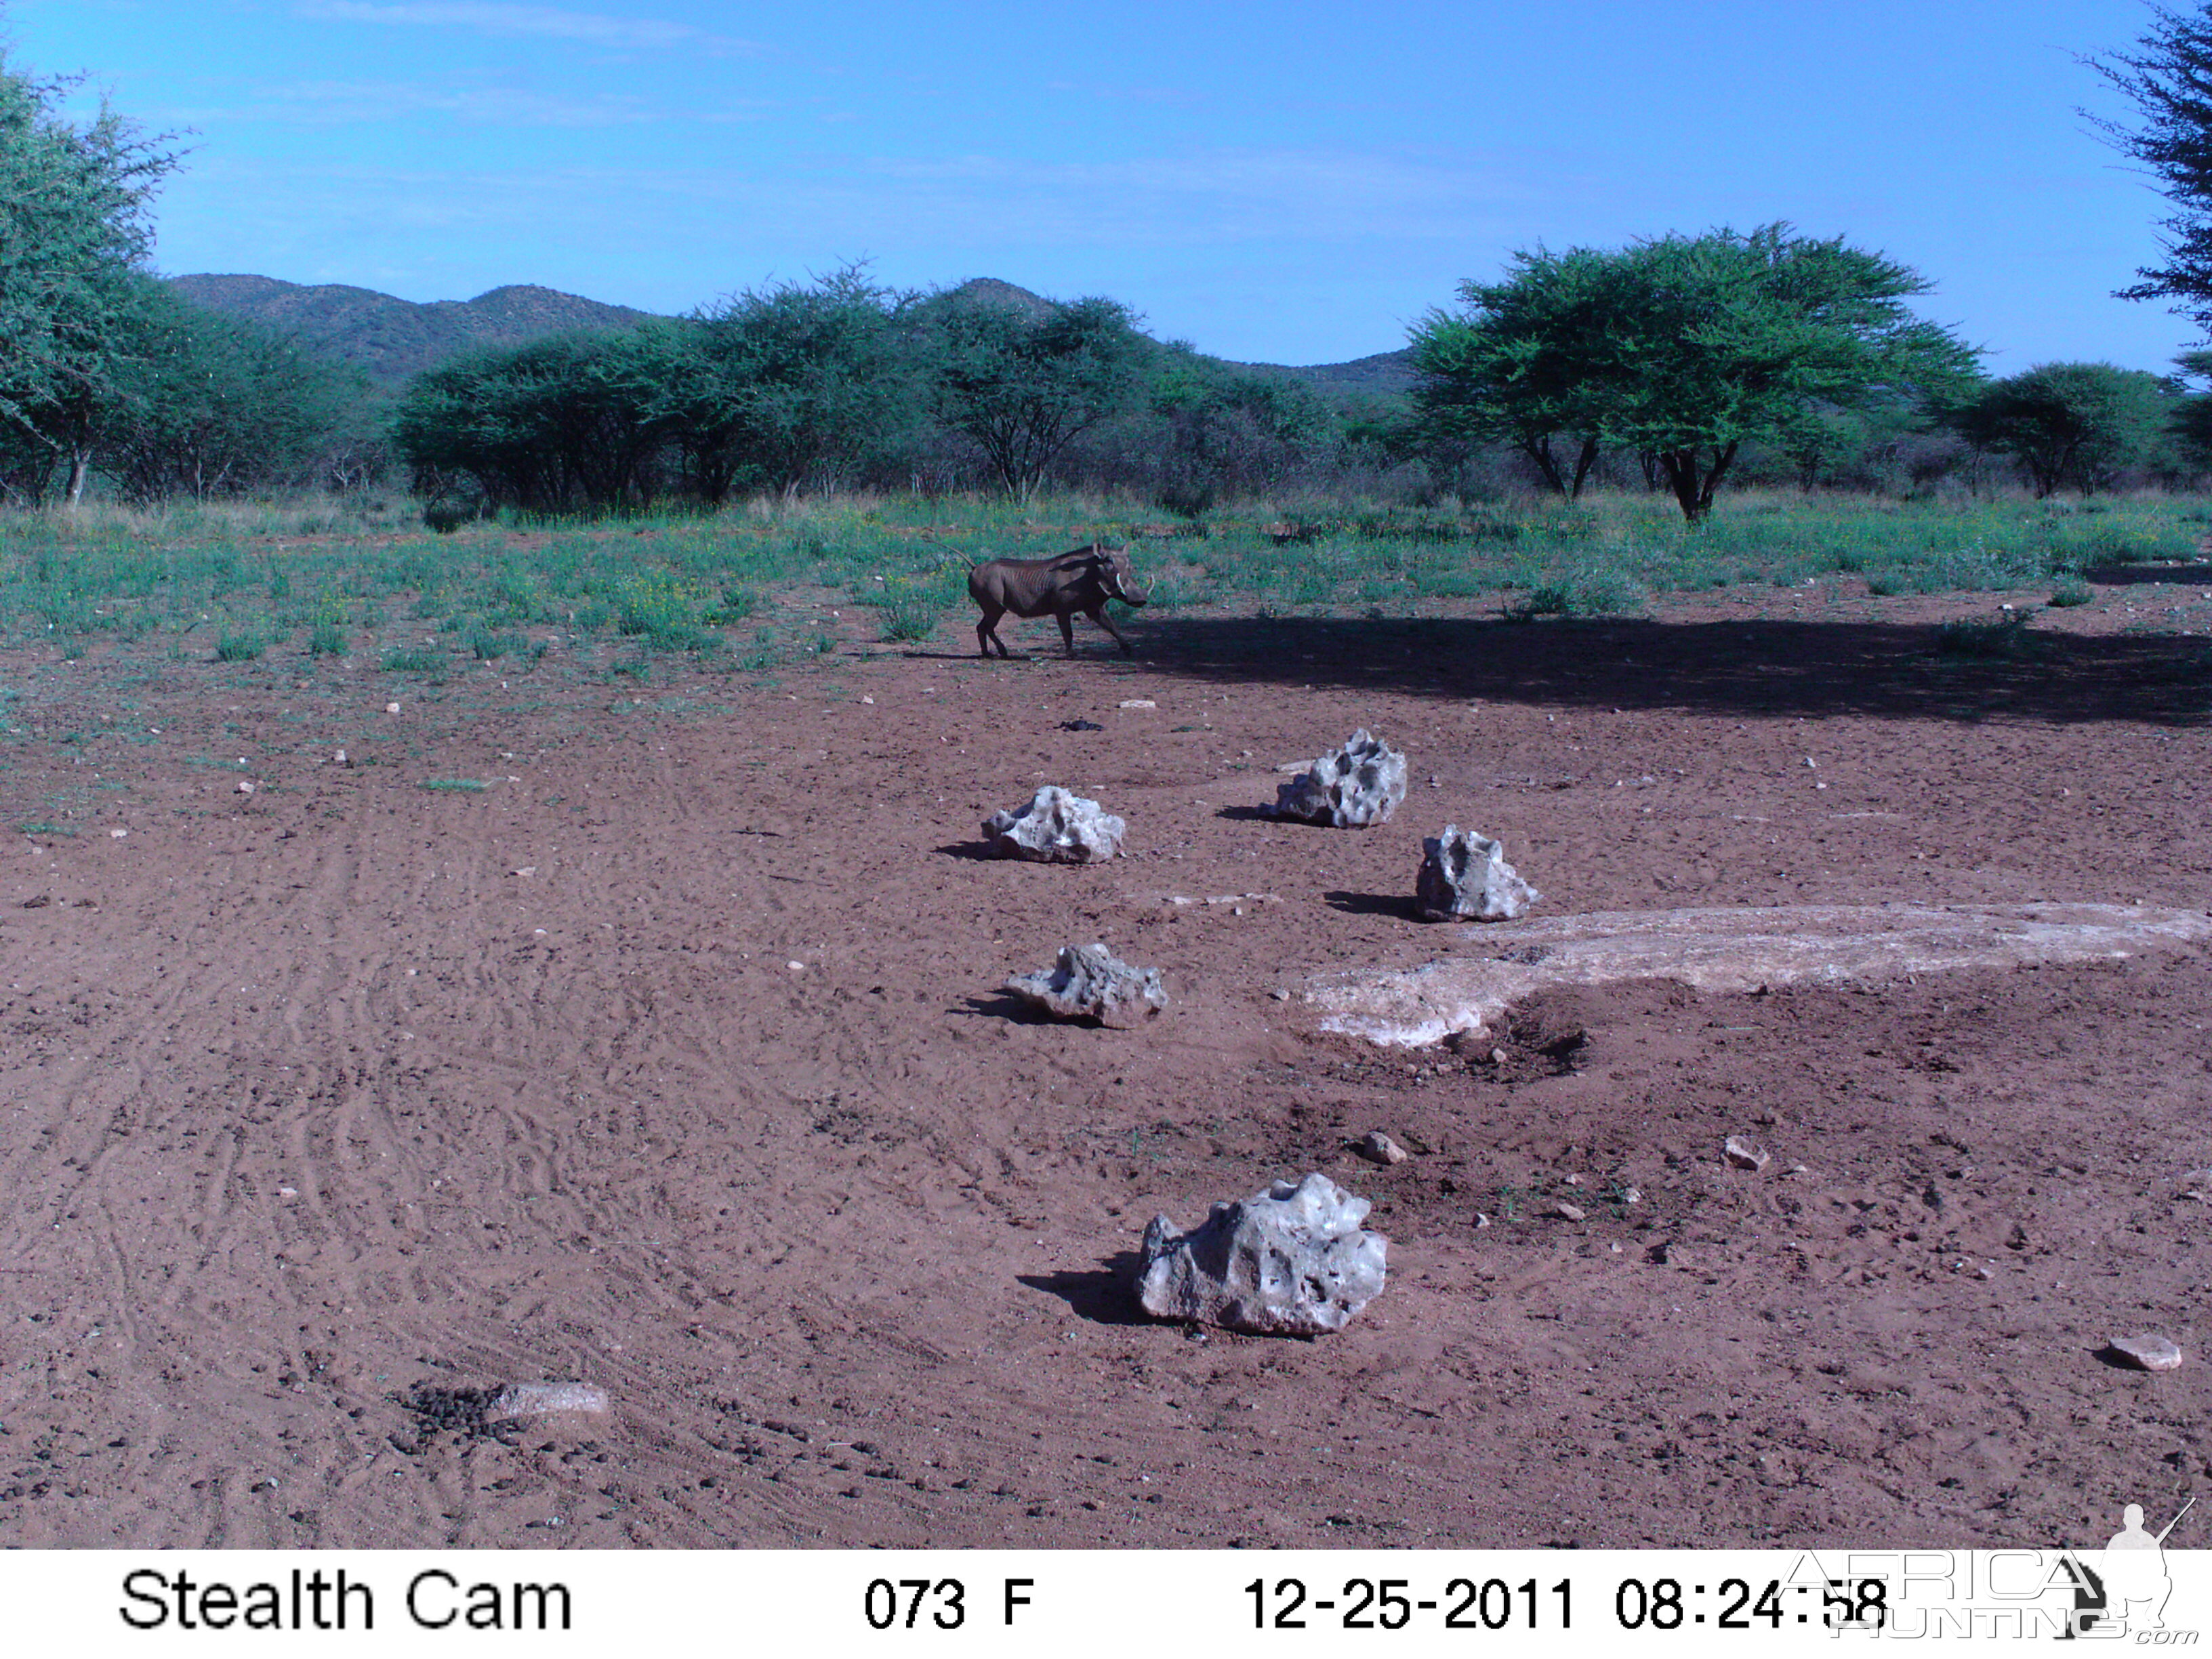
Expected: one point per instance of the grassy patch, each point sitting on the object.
(460, 786)
(2072, 592)
(2002, 638)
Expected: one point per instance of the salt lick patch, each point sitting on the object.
(1734, 948)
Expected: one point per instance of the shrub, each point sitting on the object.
(2070, 591)
(909, 616)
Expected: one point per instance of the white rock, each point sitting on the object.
(1465, 878)
(2149, 1351)
(1351, 787)
(544, 1400)
(1292, 1260)
(1056, 827)
(1088, 981)
(117, 834)
(391, 708)
(244, 787)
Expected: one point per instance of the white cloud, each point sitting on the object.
(493, 17)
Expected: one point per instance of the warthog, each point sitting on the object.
(1082, 581)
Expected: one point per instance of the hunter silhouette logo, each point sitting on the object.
(2127, 1591)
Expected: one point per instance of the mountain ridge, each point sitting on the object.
(390, 339)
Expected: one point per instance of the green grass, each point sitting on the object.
(209, 580)
(464, 786)
(239, 648)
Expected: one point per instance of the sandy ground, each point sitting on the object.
(675, 1062)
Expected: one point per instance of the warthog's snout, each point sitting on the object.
(1082, 580)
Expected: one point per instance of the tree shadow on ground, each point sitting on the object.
(1749, 666)
(2195, 573)
(1101, 1295)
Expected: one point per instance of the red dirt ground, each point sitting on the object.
(675, 1062)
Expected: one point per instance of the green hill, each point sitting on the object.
(389, 339)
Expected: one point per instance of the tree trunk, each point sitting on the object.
(80, 467)
(1539, 450)
(1583, 463)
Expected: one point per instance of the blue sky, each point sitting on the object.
(1291, 183)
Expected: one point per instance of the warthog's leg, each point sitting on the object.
(986, 631)
(1068, 628)
(1099, 616)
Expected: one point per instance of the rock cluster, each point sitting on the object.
(1465, 878)
(1290, 1261)
(1056, 827)
(1088, 981)
(1358, 785)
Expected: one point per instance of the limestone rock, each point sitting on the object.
(2148, 1352)
(1056, 827)
(1465, 878)
(1088, 981)
(1360, 784)
(545, 1399)
(1290, 1261)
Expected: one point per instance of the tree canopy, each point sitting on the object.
(2169, 79)
(2073, 425)
(1680, 347)
(73, 232)
(1023, 385)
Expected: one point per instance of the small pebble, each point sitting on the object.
(1567, 1212)
(1379, 1148)
(1741, 1154)
(117, 834)
(391, 708)
(1140, 702)
(244, 787)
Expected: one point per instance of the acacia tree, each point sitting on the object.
(1024, 383)
(2075, 425)
(782, 387)
(1685, 349)
(1514, 366)
(202, 405)
(571, 421)
(2169, 78)
(73, 232)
